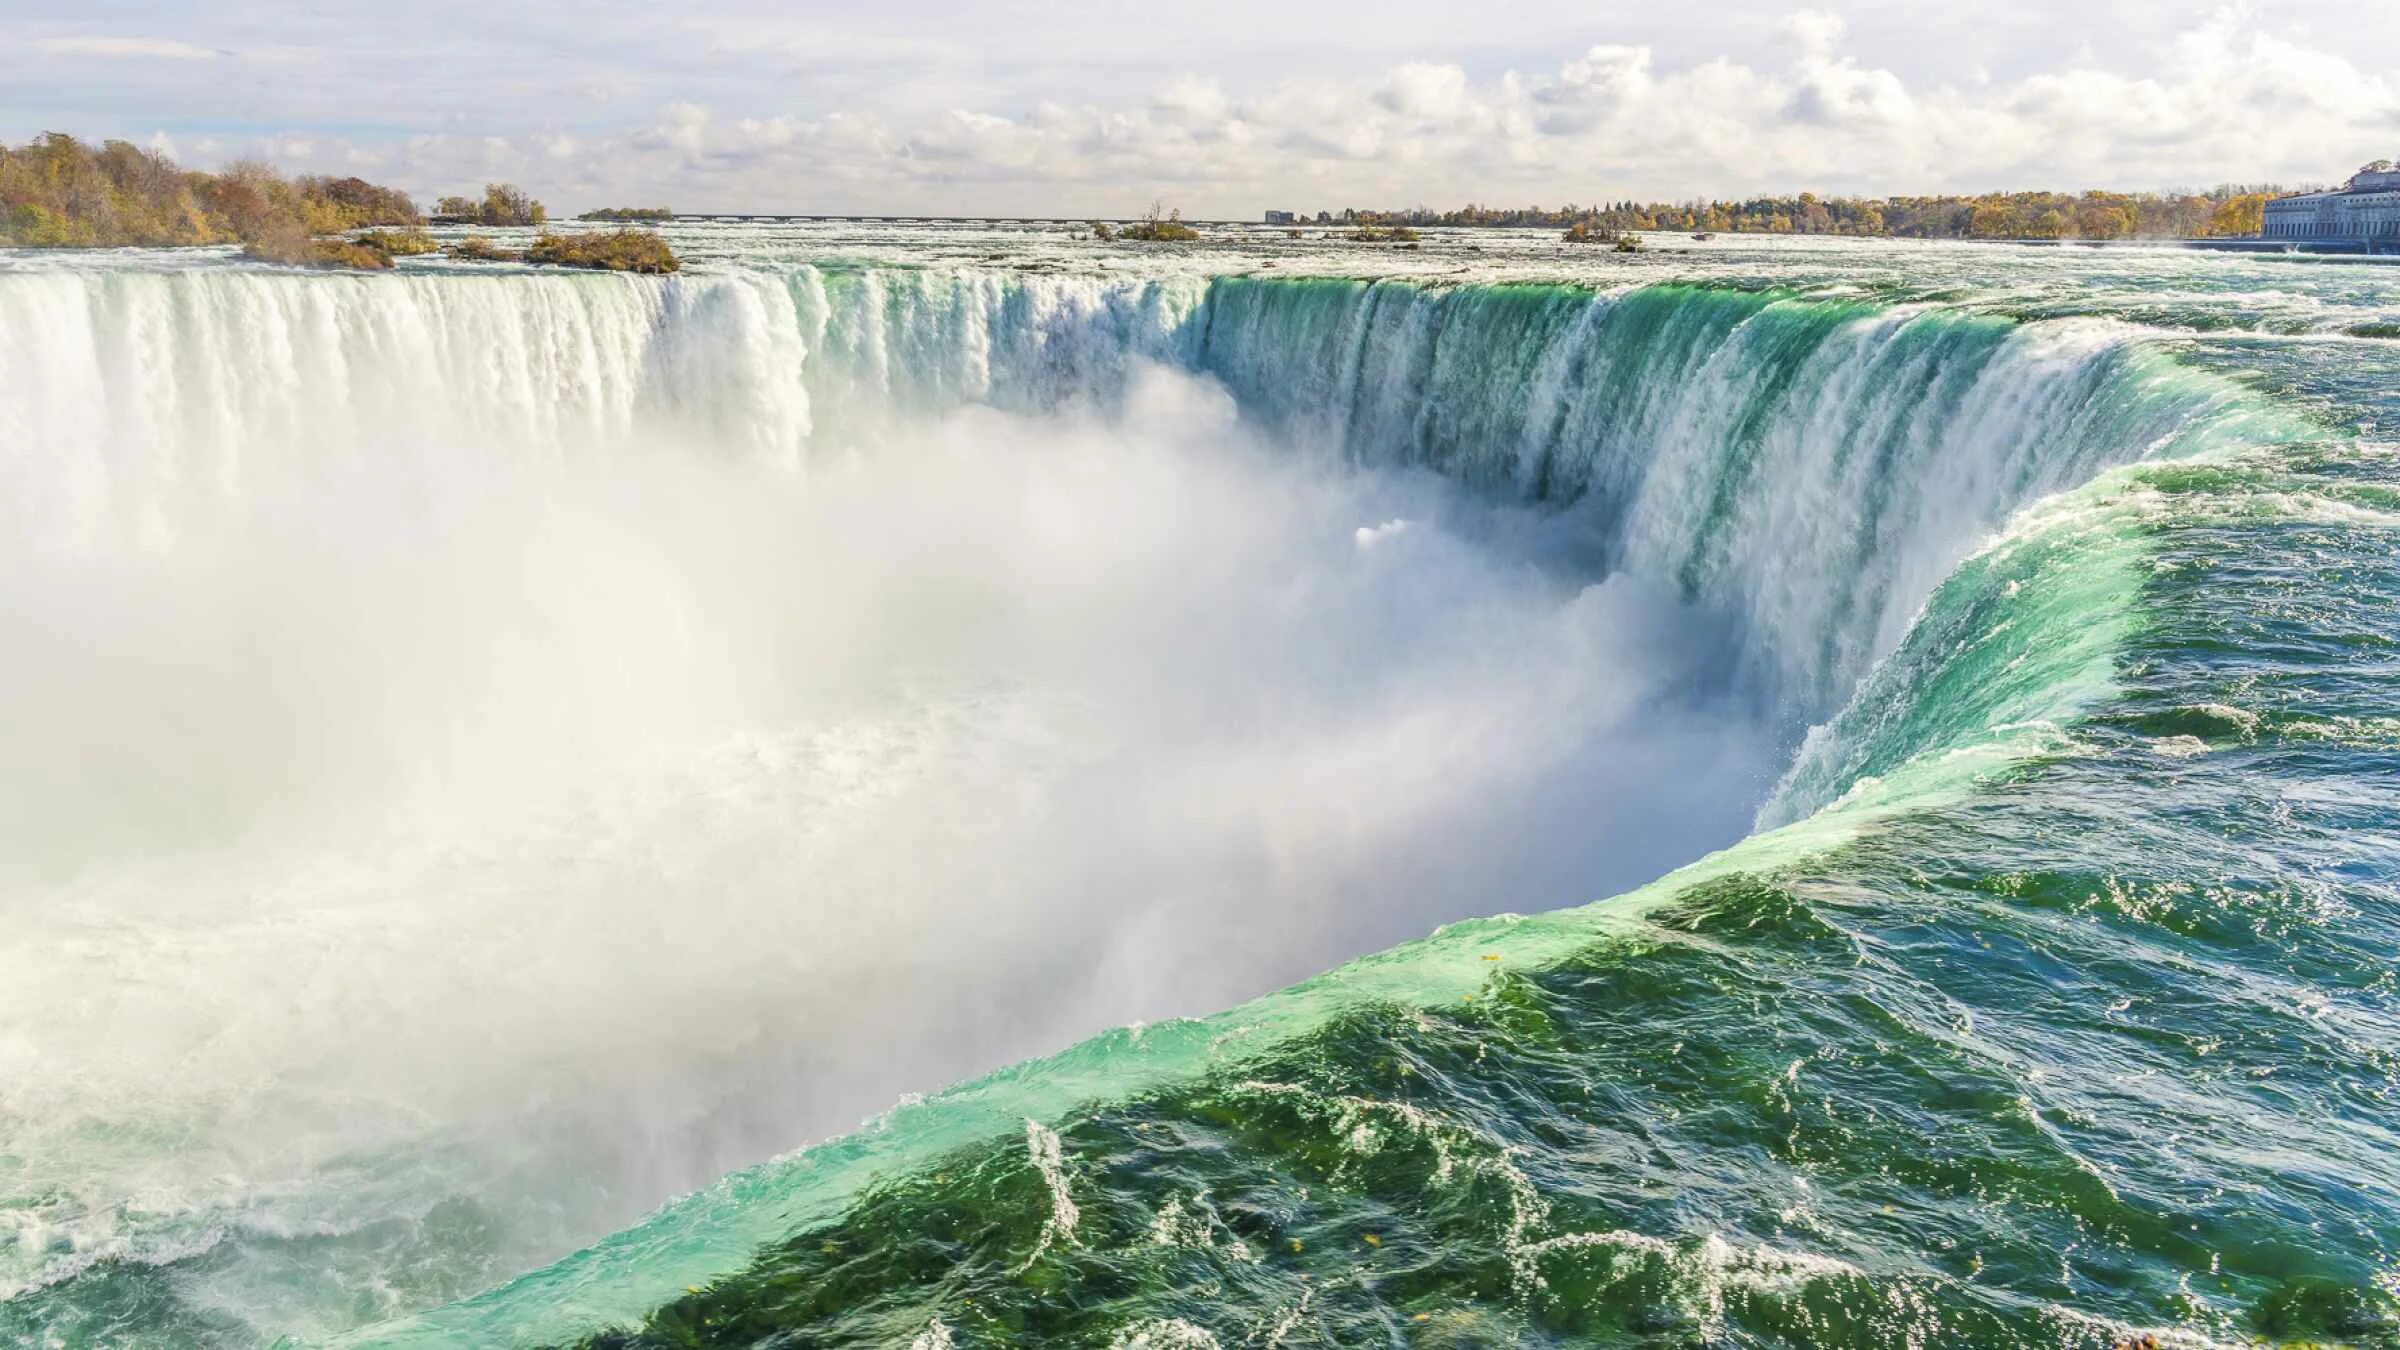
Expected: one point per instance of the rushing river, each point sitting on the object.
(1896, 748)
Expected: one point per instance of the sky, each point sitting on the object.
(1099, 107)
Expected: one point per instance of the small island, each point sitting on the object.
(502, 204)
(60, 192)
(1160, 226)
(1581, 232)
(644, 214)
(626, 250)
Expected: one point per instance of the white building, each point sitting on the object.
(2367, 208)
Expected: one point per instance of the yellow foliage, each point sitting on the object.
(58, 191)
(2242, 215)
(625, 250)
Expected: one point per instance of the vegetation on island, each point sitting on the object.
(476, 248)
(1581, 232)
(2229, 211)
(629, 213)
(59, 192)
(405, 243)
(1160, 226)
(502, 204)
(1382, 234)
(295, 247)
(626, 250)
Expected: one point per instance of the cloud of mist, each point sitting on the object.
(620, 822)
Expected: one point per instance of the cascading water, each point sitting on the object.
(495, 752)
(1814, 465)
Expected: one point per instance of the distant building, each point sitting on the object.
(2365, 208)
(1281, 217)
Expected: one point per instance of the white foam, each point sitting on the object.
(1042, 1150)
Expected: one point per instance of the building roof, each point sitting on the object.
(2380, 176)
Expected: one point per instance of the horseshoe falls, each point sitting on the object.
(939, 785)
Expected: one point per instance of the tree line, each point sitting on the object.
(57, 191)
(2226, 211)
(60, 192)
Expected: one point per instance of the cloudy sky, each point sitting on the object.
(1096, 106)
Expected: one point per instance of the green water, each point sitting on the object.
(2052, 1003)
(2100, 1043)
(2094, 1042)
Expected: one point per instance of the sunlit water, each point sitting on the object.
(491, 753)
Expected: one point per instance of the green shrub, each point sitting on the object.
(292, 246)
(508, 204)
(37, 226)
(609, 250)
(406, 243)
(353, 202)
(343, 253)
(502, 204)
(1161, 226)
(476, 248)
(1583, 232)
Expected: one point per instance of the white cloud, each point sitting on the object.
(1814, 31)
(1423, 89)
(683, 128)
(1808, 109)
(126, 48)
(1186, 98)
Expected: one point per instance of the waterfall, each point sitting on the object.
(1816, 466)
(1212, 629)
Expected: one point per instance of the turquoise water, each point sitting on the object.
(2093, 1046)
(2049, 1000)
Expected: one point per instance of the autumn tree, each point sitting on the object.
(2242, 215)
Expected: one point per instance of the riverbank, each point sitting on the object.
(59, 192)
(2336, 248)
